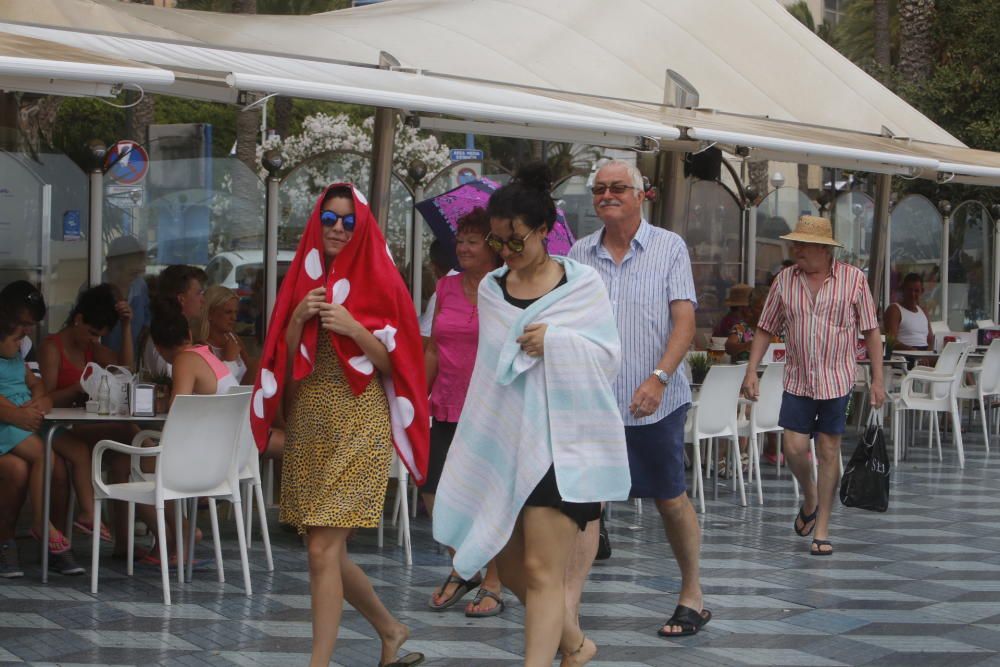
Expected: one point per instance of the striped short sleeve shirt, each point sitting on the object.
(655, 271)
(820, 335)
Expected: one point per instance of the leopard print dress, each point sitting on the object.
(338, 450)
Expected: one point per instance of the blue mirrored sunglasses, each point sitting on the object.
(329, 219)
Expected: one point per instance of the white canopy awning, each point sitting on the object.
(563, 67)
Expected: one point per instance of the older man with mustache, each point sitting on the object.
(647, 271)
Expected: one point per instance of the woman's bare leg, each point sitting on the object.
(327, 589)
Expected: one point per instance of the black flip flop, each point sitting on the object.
(408, 660)
(690, 621)
(819, 544)
(480, 595)
(806, 520)
(464, 586)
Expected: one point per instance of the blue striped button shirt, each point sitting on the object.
(655, 271)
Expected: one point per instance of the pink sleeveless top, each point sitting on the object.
(456, 334)
(223, 377)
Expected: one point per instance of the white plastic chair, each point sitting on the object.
(985, 324)
(941, 395)
(248, 465)
(196, 457)
(763, 418)
(401, 509)
(715, 415)
(987, 383)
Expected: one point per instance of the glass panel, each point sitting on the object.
(43, 231)
(854, 214)
(206, 212)
(577, 203)
(915, 247)
(776, 215)
(714, 241)
(970, 266)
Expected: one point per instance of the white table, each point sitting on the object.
(64, 418)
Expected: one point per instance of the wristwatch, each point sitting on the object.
(662, 376)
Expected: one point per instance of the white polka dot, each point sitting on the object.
(304, 351)
(362, 364)
(405, 409)
(314, 265)
(258, 403)
(360, 197)
(341, 289)
(387, 335)
(268, 384)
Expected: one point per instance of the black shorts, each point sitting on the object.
(442, 433)
(546, 494)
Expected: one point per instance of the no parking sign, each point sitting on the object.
(127, 163)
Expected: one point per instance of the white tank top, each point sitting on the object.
(912, 327)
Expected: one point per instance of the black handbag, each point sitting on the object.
(865, 483)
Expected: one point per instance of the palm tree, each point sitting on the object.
(883, 37)
(916, 40)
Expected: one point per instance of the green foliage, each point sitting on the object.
(800, 10)
(854, 35)
(699, 362)
(81, 119)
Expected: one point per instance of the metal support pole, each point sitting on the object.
(750, 245)
(383, 137)
(417, 259)
(996, 272)
(672, 204)
(878, 264)
(272, 162)
(96, 232)
(945, 254)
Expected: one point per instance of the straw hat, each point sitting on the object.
(813, 229)
(738, 295)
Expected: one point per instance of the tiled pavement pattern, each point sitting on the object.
(919, 585)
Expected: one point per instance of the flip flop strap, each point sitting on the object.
(484, 593)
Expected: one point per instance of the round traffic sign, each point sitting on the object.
(127, 162)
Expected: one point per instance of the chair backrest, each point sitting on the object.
(985, 324)
(247, 447)
(718, 400)
(939, 327)
(990, 375)
(200, 440)
(950, 362)
(768, 406)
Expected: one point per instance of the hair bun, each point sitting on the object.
(535, 175)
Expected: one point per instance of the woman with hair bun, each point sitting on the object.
(540, 431)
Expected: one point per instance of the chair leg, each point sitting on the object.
(246, 491)
(815, 461)
(161, 529)
(936, 429)
(243, 543)
(179, 539)
(755, 462)
(264, 535)
(698, 483)
(130, 541)
(956, 425)
(738, 468)
(213, 516)
(413, 501)
(638, 506)
(982, 416)
(95, 550)
(404, 518)
(192, 526)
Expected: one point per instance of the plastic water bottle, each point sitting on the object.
(104, 397)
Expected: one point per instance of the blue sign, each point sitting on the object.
(71, 226)
(127, 163)
(460, 154)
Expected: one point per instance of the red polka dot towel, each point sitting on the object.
(363, 279)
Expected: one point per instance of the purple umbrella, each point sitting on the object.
(443, 212)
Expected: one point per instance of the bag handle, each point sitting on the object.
(875, 417)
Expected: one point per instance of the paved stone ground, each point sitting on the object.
(919, 585)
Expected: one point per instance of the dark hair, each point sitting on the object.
(338, 192)
(97, 307)
(8, 319)
(527, 197)
(175, 279)
(442, 255)
(21, 294)
(475, 221)
(913, 278)
(168, 327)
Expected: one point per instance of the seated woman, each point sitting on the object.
(182, 286)
(62, 358)
(22, 405)
(215, 327)
(906, 321)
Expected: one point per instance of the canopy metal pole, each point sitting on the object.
(945, 208)
(672, 202)
(996, 271)
(272, 162)
(417, 261)
(96, 233)
(383, 137)
(878, 266)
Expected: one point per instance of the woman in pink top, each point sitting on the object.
(450, 356)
